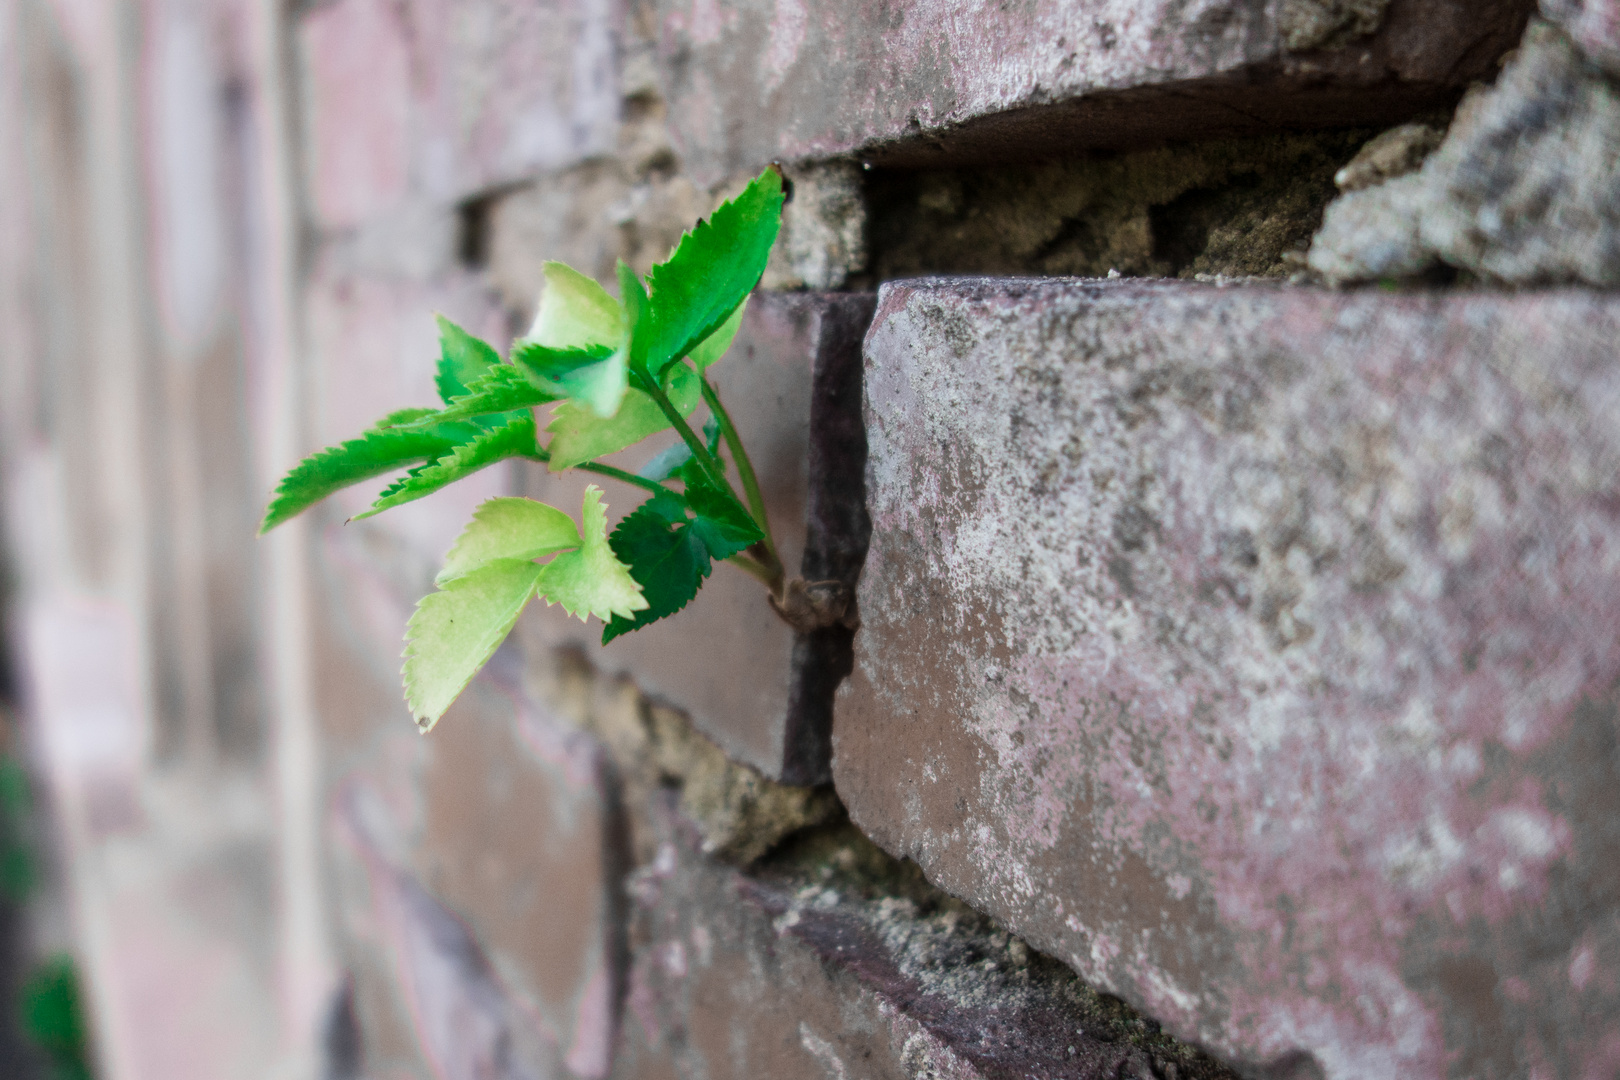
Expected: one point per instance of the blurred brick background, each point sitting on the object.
(1215, 406)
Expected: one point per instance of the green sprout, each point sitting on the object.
(614, 373)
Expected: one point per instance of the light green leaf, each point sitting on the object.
(456, 630)
(509, 528)
(715, 345)
(577, 316)
(579, 435)
(462, 359)
(515, 438)
(711, 271)
(591, 581)
(575, 312)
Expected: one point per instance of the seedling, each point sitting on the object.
(613, 372)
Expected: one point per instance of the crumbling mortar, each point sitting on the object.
(740, 814)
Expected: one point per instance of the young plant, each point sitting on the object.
(613, 372)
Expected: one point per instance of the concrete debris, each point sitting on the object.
(1525, 187)
(1593, 24)
(1397, 152)
(1315, 24)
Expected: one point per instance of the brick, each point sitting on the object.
(922, 83)
(440, 100)
(832, 962)
(480, 868)
(1253, 650)
(791, 383)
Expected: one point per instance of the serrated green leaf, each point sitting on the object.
(712, 270)
(501, 389)
(575, 312)
(670, 551)
(456, 630)
(509, 528)
(590, 580)
(579, 435)
(462, 359)
(724, 524)
(381, 449)
(516, 438)
(669, 561)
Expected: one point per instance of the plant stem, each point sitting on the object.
(771, 580)
(628, 477)
(745, 468)
(716, 471)
(618, 474)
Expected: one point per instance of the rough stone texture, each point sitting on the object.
(924, 82)
(1525, 188)
(1240, 207)
(436, 100)
(791, 383)
(832, 961)
(1253, 650)
(739, 814)
(1593, 24)
(1396, 152)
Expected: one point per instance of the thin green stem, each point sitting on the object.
(772, 580)
(628, 477)
(716, 471)
(745, 468)
(618, 474)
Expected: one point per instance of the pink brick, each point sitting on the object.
(1254, 651)
(357, 83)
(479, 871)
(439, 100)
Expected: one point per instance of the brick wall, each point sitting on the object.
(1235, 686)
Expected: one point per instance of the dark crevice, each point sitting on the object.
(473, 234)
(981, 990)
(1234, 207)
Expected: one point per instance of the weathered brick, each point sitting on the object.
(481, 868)
(922, 82)
(791, 383)
(833, 961)
(1254, 651)
(440, 100)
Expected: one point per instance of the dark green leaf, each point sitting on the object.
(668, 561)
(711, 271)
(513, 439)
(382, 449)
(724, 524)
(462, 359)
